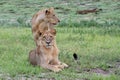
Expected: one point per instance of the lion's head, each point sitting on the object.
(46, 15)
(51, 16)
(47, 38)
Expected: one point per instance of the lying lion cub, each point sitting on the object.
(46, 53)
(43, 19)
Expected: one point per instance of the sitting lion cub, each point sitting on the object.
(46, 53)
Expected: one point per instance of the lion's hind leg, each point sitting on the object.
(32, 57)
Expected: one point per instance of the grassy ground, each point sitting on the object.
(96, 48)
(93, 37)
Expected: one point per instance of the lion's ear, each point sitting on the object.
(54, 32)
(47, 12)
(40, 33)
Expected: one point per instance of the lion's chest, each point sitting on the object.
(48, 55)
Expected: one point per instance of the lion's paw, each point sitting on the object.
(56, 69)
(65, 65)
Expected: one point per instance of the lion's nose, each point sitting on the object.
(48, 42)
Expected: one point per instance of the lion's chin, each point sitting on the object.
(48, 46)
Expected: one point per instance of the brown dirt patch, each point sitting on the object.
(99, 71)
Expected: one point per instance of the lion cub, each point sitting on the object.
(43, 20)
(46, 53)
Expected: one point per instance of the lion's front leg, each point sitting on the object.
(58, 63)
(64, 65)
(45, 64)
(51, 67)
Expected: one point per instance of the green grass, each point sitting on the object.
(95, 49)
(94, 37)
(19, 13)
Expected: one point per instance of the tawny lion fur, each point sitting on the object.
(43, 20)
(46, 54)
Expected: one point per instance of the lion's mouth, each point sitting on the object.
(54, 23)
(48, 45)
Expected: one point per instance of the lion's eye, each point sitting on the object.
(40, 34)
(44, 37)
